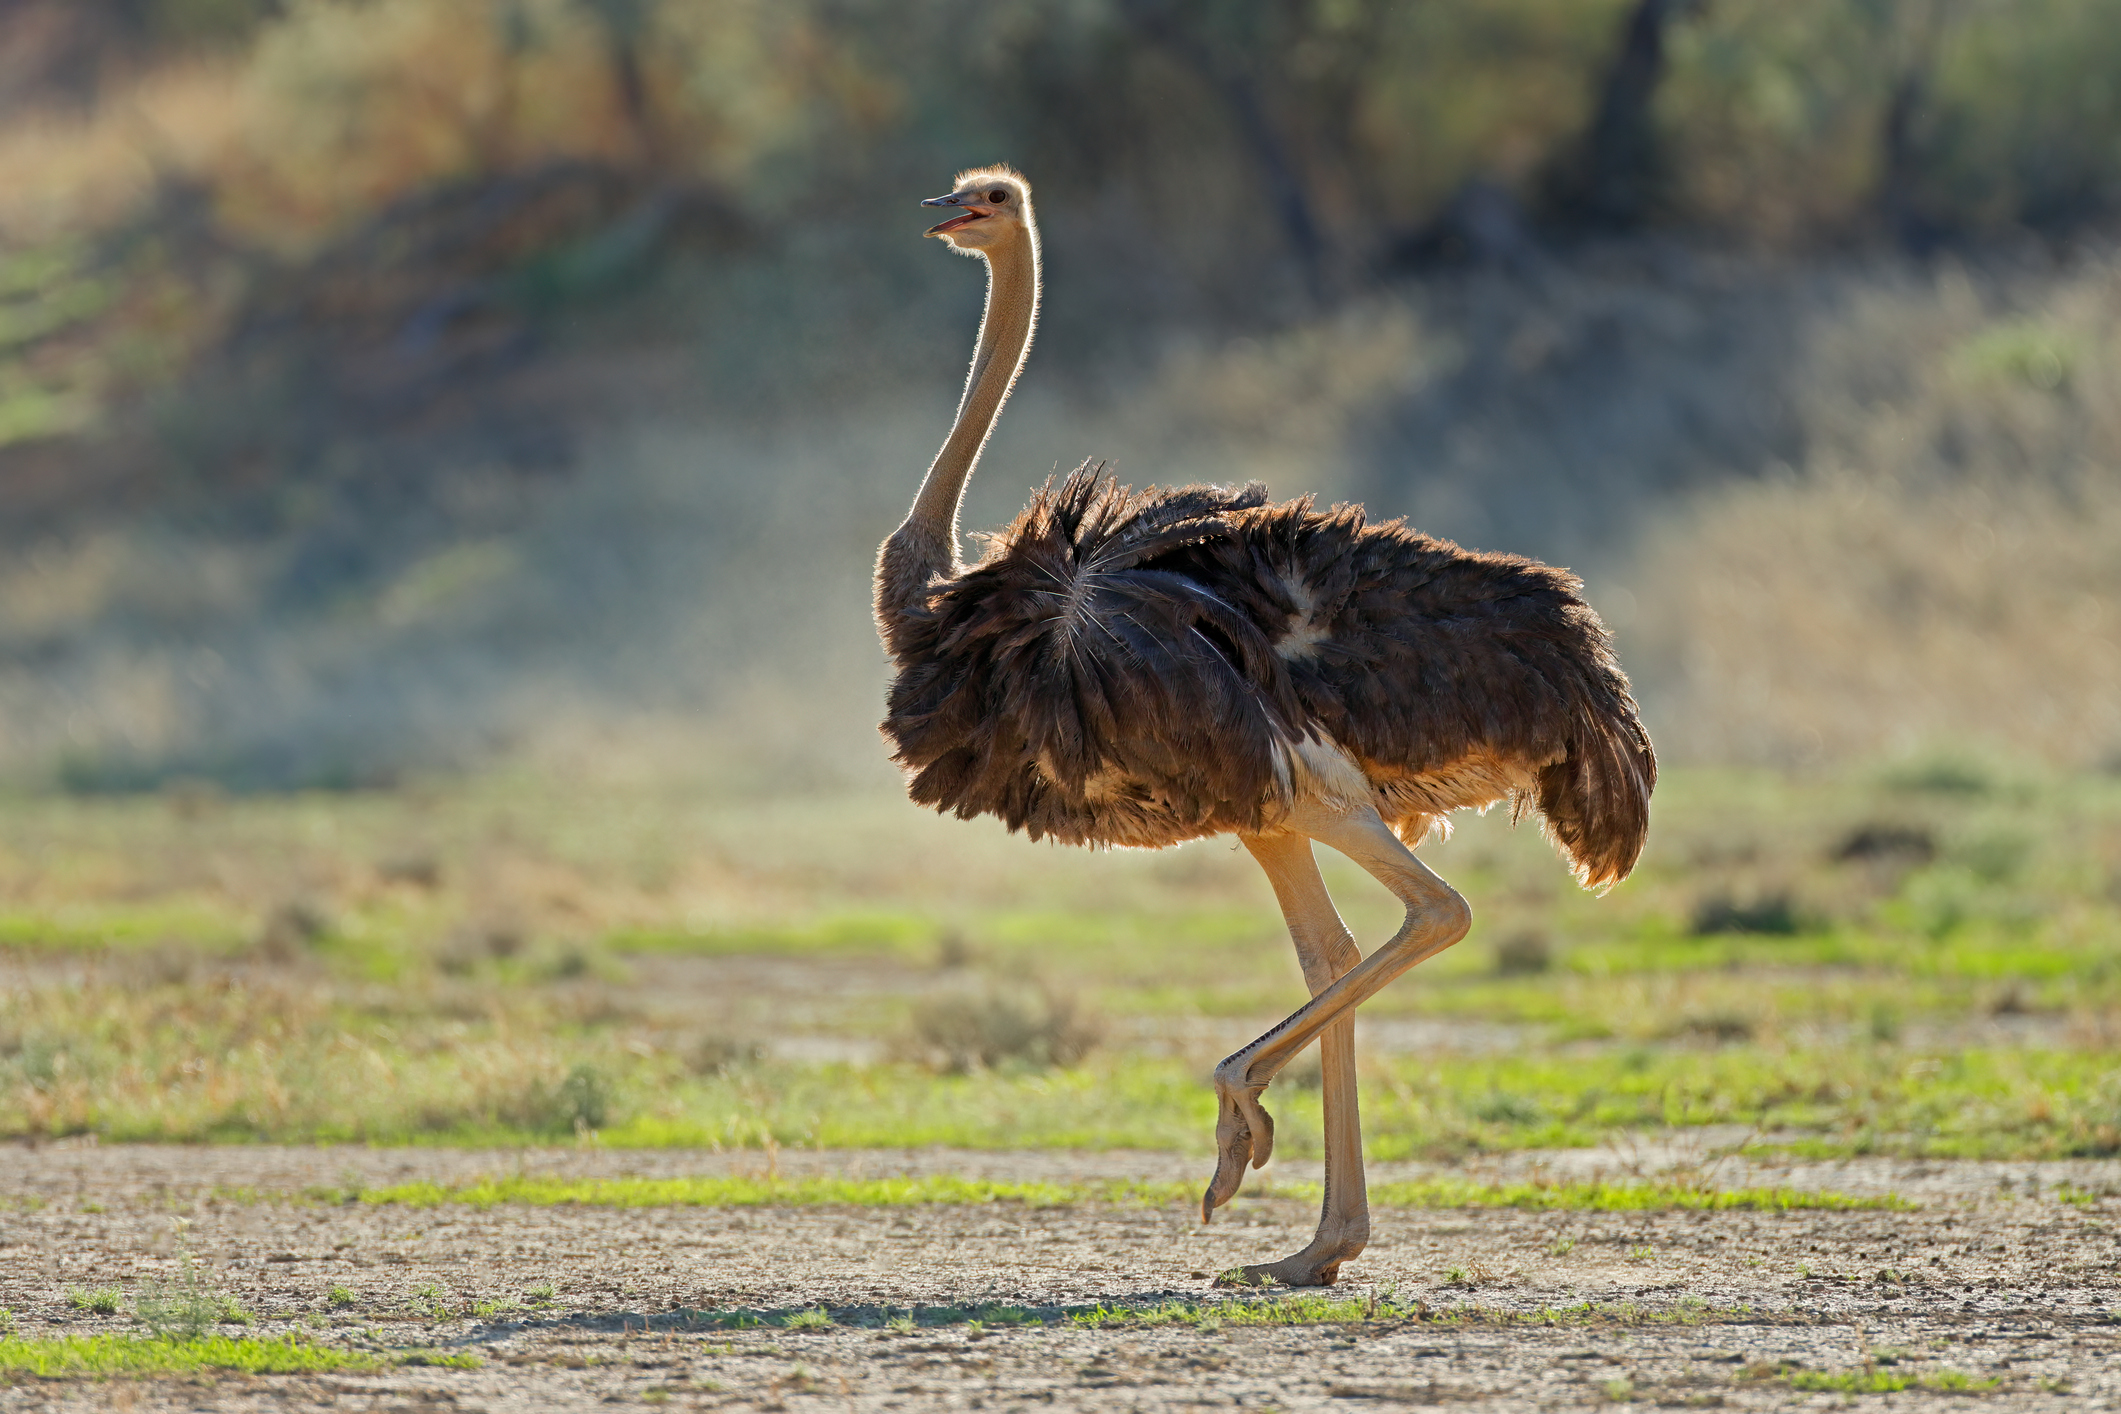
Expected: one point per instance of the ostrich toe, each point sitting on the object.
(1244, 1134)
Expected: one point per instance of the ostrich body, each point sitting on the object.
(1144, 668)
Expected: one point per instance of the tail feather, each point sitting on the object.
(1597, 799)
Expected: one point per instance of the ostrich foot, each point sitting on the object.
(1317, 1265)
(1244, 1133)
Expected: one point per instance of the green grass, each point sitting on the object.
(1319, 1308)
(1620, 1197)
(105, 1355)
(1303, 1309)
(861, 932)
(104, 1301)
(758, 1192)
(1839, 1101)
(1282, 1309)
(92, 928)
(943, 1189)
(490, 1085)
(1860, 1029)
(1876, 1381)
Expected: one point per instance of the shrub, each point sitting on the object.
(1524, 954)
(584, 1099)
(1770, 913)
(1022, 1025)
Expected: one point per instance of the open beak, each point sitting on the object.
(971, 213)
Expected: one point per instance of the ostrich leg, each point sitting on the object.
(1436, 918)
(1326, 950)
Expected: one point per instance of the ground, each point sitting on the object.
(1999, 1286)
(237, 1035)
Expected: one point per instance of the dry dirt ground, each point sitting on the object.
(2006, 1273)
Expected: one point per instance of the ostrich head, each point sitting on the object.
(994, 211)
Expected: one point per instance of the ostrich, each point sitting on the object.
(1144, 668)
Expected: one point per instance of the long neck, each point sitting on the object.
(925, 546)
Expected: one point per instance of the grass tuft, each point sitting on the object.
(103, 1301)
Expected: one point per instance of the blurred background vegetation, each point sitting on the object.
(397, 384)
(443, 445)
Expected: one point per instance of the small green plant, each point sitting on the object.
(1618, 1391)
(1641, 1252)
(1007, 1316)
(103, 1301)
(1456, 1276)
(542, 1294)
(499, 1306)
(815, 1319)
(901, 1325)
(187, 1305)
(1561, 1247)
(427, 1301)
(340, 1298)
(7, 1321)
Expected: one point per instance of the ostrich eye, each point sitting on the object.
(996, 198)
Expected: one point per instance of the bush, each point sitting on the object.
(1524, 954)
(583, 1100)
(1770, 913)
(1029, 1026)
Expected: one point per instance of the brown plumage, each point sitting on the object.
(1143, 668)
(1132, 668)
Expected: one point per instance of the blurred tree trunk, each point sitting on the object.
(1909, 220)
(625, 24)
(1900, 205)
(1613, 177)
(1239, 91)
